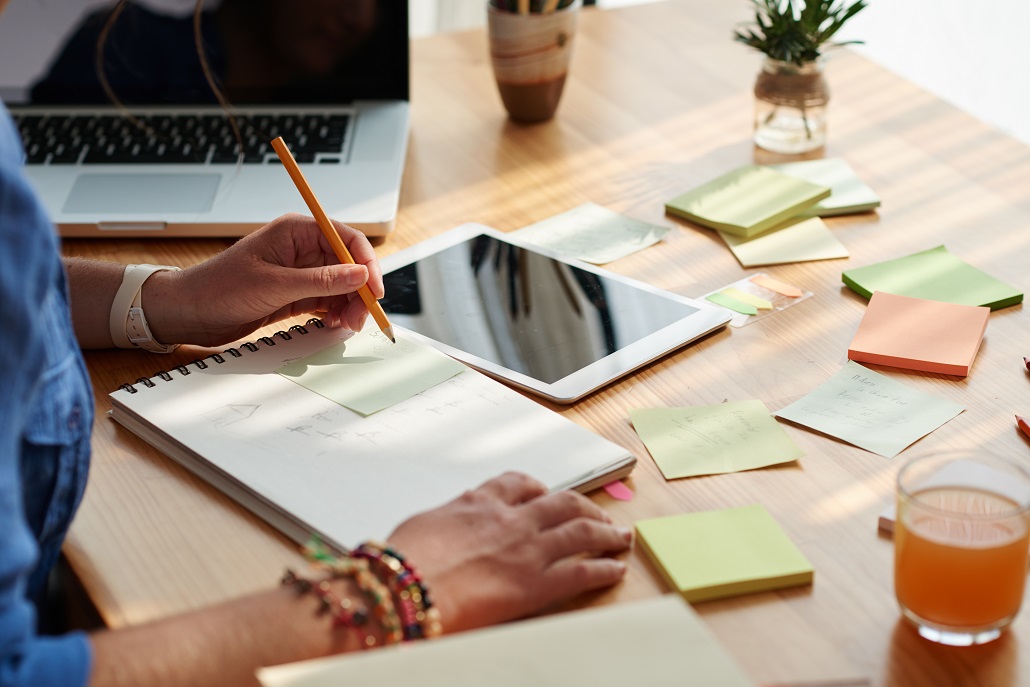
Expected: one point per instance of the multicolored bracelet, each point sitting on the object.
(419, 618)
(340, 608)
(371, 586)
(398, 597)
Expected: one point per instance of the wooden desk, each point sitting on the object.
(659, 100)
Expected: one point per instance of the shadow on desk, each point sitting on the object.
(988, 665)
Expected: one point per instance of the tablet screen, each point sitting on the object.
(523, 310)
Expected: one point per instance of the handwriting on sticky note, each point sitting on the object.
(871, 411)
(708, 440)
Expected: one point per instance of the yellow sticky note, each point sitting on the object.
(759, 303)
(716, 554)
(792, 241)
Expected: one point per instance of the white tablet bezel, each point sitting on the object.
(575, 386)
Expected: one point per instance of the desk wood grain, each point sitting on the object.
(659, 100)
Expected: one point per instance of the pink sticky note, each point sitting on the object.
(618, 491)
(776, 285)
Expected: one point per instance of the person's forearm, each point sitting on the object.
(222, 645)
(92, 284)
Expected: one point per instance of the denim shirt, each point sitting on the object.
(46, 415)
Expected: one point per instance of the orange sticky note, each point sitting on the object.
(919, 334)
(776, 285)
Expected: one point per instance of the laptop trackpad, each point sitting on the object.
(142, 194)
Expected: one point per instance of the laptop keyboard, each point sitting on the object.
(180, 139)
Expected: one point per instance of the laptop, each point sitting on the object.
(148, 151)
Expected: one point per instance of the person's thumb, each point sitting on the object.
(319, 282)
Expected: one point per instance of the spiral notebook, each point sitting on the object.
(308, 465)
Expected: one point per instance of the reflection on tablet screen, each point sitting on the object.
(522, 310)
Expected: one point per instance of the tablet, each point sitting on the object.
(551, 325)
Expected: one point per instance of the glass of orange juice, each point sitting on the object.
(961, 541)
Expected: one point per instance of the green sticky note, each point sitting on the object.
(720, 298)
(368, 373)
(936, 275)
(716, 554)
(715, 439)
(870, 410)
(592, 233)
(760, 303)
(747, 201)
(849, 193)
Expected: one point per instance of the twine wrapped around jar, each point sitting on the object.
(790, 106)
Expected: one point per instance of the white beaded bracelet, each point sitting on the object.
(127, 322)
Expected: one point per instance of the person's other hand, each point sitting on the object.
(508, 549)
(284, 269)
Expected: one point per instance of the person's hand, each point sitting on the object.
(508, 549)
(284, 269)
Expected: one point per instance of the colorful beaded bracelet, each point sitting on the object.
(370, 585)
(341, 608)
(418, 616)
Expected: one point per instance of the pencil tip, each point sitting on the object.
(393, 339)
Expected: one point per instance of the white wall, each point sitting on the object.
(972, 53)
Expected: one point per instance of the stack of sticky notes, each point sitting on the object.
(919, 334)
(934, 274)
(747, 201)
(715, 554)
(771, 215)
(849, 193)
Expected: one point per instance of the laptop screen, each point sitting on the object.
(262, 52)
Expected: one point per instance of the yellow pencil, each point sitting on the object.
(378, 314)
(550, 6)
(523, 6)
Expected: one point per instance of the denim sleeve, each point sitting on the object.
(28, 265)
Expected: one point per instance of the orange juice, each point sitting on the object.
(960, 556)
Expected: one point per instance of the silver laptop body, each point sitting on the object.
(330, 76)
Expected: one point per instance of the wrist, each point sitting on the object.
(335, 609)
(130, 326)
(165, 301)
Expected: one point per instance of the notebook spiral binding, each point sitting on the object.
(219, 358)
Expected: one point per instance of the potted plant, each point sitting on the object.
(791, 92)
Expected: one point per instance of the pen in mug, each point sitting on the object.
(331, 235)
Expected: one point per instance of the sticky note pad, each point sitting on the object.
(716, 554)
(747, 201)
(935, 274)
(849, 193)
(919, 334)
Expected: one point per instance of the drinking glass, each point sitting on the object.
(961, 541)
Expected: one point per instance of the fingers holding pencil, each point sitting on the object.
(331, 233)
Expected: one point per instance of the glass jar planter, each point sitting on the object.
(790, 106)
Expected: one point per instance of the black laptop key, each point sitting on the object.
(181, 139)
